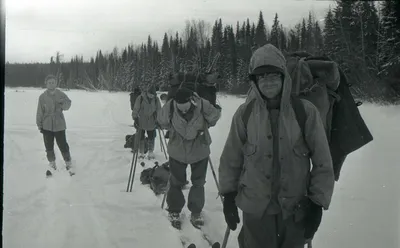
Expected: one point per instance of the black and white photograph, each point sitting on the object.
(201, 123)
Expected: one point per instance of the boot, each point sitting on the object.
(197, 220)
(66, 156)
(175, 219)
(52, 165)
(51, 156)
(68, 165)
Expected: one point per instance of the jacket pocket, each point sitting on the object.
(249, 150)
(301, 149)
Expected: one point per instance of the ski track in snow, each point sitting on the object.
(93, 209)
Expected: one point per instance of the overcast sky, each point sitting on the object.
(36, 29)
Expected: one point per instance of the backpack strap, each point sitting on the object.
(171, 110)
(301, 115)
(247, 112)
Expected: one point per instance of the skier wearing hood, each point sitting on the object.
(265, 165)
(51, 123)
(144, 113)
(187, 117)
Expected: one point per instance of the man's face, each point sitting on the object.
(51, 84)
(183, 107)
(270, 85)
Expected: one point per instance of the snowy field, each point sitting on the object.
(92, 208)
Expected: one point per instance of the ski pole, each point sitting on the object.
(162, 144)
(215, 177)
(134, 160)
(226, 237)
(135, 153)
(165, 193)
(130, 173)
(227, 231)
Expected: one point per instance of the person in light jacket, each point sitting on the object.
(51, 123)
(144, 113)
(265, 167)
(188, 117)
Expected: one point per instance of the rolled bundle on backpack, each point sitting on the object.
(326, 72)
(203, 85)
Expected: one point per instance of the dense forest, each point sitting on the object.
(362, 36)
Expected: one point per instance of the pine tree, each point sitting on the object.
(275, 33)
(330, 40)
(260, 38)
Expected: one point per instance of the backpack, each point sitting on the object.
(157, 177)
(203, 85)
(320, 81)
(130, 142)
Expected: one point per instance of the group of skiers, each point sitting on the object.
(265, 165)
(264, 168)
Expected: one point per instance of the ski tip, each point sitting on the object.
(216, 245)
(192, 246)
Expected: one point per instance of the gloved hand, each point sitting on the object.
(40, 129)
(231, 210)
(217, 106)
(312, 220)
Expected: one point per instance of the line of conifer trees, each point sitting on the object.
(362, 36)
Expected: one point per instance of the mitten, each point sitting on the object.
(312, 220)
(231, 210)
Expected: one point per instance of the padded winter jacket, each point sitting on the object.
(49, 114)
(189, 141)
(146, 110)
(246, 160)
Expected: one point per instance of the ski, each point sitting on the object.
(50, 174)
(207, 238)
(186, 242)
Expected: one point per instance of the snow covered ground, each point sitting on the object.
(92, 208)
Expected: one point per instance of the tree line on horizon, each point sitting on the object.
(364, 38)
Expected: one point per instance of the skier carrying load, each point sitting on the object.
(50, 121)
(144, 112)
(265, 164)
(188, 117)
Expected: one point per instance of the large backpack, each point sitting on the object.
(130, 140)
(156, 177)
(320, 81)
(204, 85)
